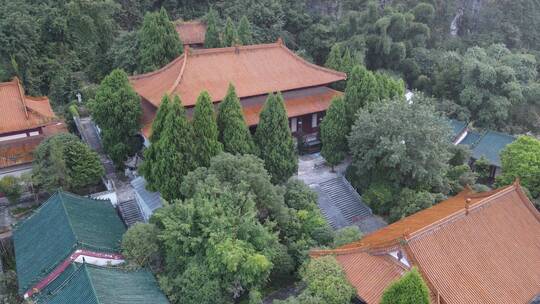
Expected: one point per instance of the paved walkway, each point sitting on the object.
(340, 204)
(124, 191)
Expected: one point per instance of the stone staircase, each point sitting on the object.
(130, 212)
(340, 203)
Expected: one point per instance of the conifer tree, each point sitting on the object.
(116, 109)
(334, 59)
(158, 41)
(334, 133)
(175, 153)
(211, 39)
(233, 131)
(205, 130)
(347, 62)
(274, 140)
(150, 154)
(245, 35)
(361, 90)
(230, 35)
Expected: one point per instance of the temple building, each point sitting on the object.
(255, 71)
(191, 33)
(472, 248)
(487, 144)
(24, 123)
(66, 252)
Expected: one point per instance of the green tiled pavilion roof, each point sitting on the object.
(88, 284)
(471, 138)
(457, 127)
(65, 222)
(490, 146)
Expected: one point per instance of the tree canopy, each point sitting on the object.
(245, 35)
(171, 157)
(409, 289)
(64, 161)
(116, 108)
(325, 283)
(230, 35)
(521, 159)
(211, 38)
(334, 132)
(274, 140)
(403, 143)
(233, 131)
(205, 130)
(159, 43)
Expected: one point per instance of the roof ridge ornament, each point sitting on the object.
(179, 78)
(21, 95)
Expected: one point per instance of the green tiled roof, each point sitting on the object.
(65, 222)
(457, 127)
(471, 139)
(490, 146)
(88, 284)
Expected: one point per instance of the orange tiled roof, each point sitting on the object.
(254, 70)
(295, 106)
(20, 112)
(487, 252)
(376, 271)
(191, 32)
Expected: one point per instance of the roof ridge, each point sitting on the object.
(179, 77)
(165, 67)
(305, 62)
(62, 202)
(91, 284)
(36, 211)
(488, 198)
(63, 284)
(21, 95)
(198, 52)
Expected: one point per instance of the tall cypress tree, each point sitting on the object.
(274, 140)
(211, 39)
(230, 35)
(116, 108)
(175, 153)
(334, 59)
(361, 90)
(334, 133)
(245, 35)
(233, 131)
(205, 130)
(151, 154)
(158, 41)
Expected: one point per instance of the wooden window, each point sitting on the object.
(294, 123)
(314, 121)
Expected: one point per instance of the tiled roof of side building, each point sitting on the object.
(471, 139)
(253, 70)
(191, 32)
(20, 112)
(65, 222)
(457, 127)
(472, 248)
(87, 284)
(490, 146)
